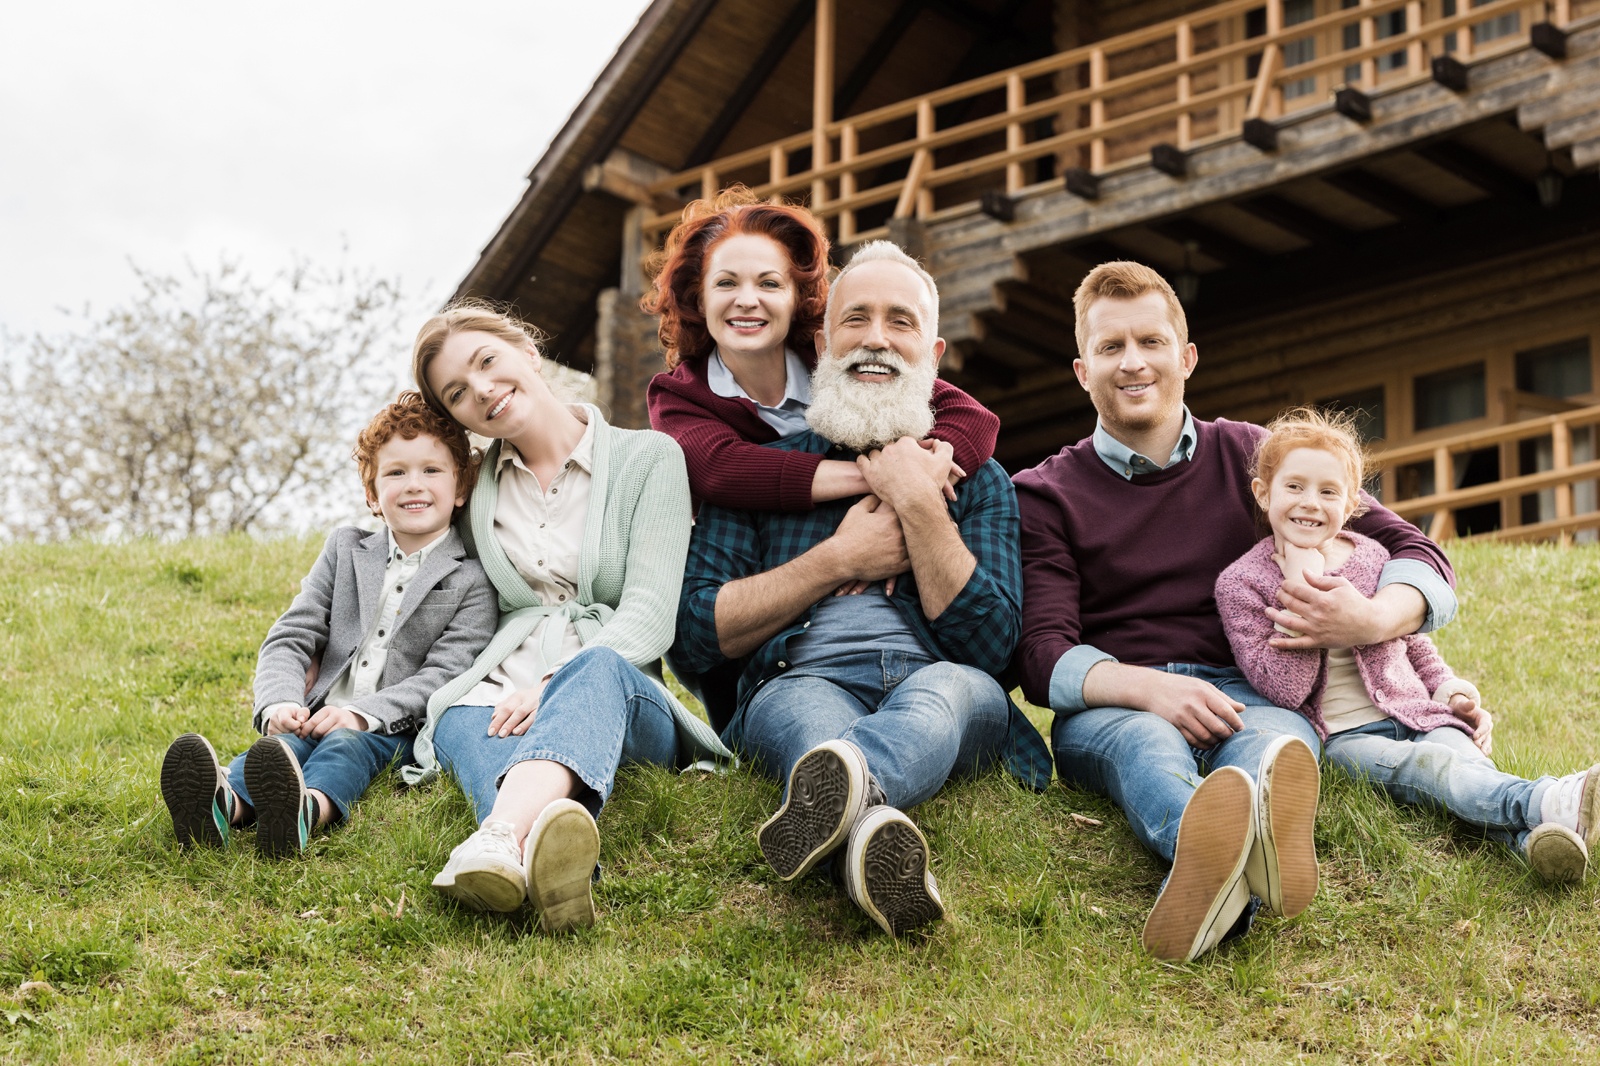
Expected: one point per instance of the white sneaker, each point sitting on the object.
(485, 870)
(886, 872)
(1206, 891)
(563, 847)
(1557, 854)
(1282, 867)
(1574, 802)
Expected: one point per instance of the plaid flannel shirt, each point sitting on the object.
(979, 628)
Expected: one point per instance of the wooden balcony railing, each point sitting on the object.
(1437, 511)
(1186, 82)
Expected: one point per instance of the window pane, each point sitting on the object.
(1450, 396)
(1558, 370)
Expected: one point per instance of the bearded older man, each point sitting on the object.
(875, 627)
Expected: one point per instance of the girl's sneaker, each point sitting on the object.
(285, 812)
(197, 793)
(1557, 854)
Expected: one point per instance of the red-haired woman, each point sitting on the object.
(741, 290)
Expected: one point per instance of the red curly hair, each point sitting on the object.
(410, 417)
(679, 269)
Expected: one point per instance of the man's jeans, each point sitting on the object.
(1444, 770)
(1145, 765)
(917, 720)
(341, 765)
(598, 712)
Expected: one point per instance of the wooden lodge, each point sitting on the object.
(1387, 205)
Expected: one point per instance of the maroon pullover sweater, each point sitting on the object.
(721, 438)
(1130, 567)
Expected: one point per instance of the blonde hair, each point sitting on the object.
(1310, 427)
(464, 316)
(1124, 280)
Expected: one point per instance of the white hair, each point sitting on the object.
(877, 251)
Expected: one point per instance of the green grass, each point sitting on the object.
(1426, 944)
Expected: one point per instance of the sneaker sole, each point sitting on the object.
(1557, 854)
(190, 775)
(892, 864)
(561, 869)
(1288, 792)
(815, 816)
(272, 774)
(1213, 842)
(1589, 810)
(487, 890)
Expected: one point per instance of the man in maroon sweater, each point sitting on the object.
(1123, 537)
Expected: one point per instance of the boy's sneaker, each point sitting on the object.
(1282, 867)
(1206, 890)
(886, 872)
(197, 793)
(285, 812)
(562, 849)
(485, 870)
(828, 789)
(1556, 853)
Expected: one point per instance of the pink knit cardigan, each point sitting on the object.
(1400, 675)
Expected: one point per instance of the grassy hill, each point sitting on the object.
(1426, 944)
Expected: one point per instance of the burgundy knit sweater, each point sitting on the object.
(1129, 566)
(721, 438)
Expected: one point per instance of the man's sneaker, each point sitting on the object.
(886, 872)
(285, 812)
(827, 795)
(1282, 867)
(1556, 853)
(1206, 891)
(485, 870)
(197, 792)
(562, 849)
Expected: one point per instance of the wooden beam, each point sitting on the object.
(1382, 194)
(1353, 104)
(1474, 169)
(1548, 38)
(998, 206)
(855, 83)
(1082, 183)
(625, 175)
(777, 46)
(821, 93)
(1227, 250)
(1451, 73)
(1293, 219)
(1168, 159)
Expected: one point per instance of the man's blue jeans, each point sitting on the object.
(599, 712)
(341, 765)
(1145, 765)
(917, 720)
(1444, 770)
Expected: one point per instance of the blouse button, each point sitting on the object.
(1377, 694)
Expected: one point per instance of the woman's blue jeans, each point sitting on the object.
(599, 712)
(917, 721)
(1147, 768)
(341, 765)
(1442, 769)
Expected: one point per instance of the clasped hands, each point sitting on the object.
(900, 474)
(313, 725)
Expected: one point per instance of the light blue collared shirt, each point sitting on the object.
(1066, 680)
(789, 416)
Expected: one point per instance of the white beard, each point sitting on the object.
(864, 416)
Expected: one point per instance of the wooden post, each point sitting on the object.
(1015, 99)
(778, 166)
(708, 182)
(1561, 12)
(1185, 43)
(1443, 481)
(1561, 459)
(1097, 109)
(924, 131)
(1369, 37)
(821, 97)
(847, 184)
(1416, 54)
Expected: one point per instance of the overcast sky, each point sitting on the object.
(166, 130)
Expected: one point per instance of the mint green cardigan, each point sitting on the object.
(630, 571)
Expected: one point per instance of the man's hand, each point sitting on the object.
(1197, 708)
(905, 470)
(956, 475)
(871, 541)
(1466, 708)
(514, 714)
(328, 719)
(1329, 613)
(288, 720)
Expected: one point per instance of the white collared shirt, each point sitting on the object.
(361, 677)
(541, 530)
(789, 416)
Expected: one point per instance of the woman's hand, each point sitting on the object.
(955, 474)
(514, 714)
(1482, 722)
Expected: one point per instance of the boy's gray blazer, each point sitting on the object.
(447, 616)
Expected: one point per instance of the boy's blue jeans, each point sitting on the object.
(917, 720)
(1147, 768)
(341, 765)
(1442, 769)
(598, 712)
